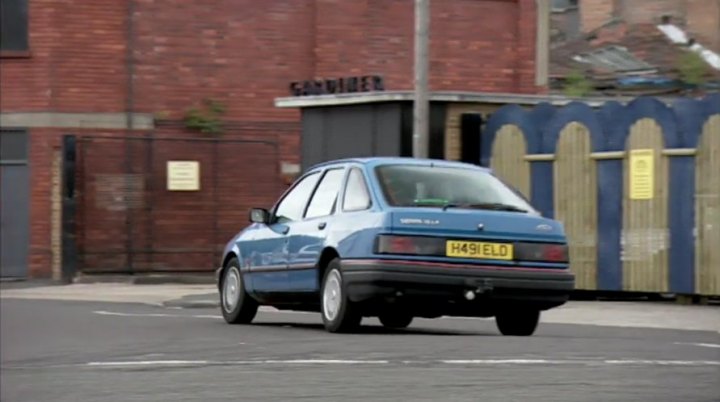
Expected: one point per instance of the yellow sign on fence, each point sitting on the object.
(183, 175)
(641, 174)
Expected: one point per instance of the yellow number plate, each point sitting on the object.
(471, 249)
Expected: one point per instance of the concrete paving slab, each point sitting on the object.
(109, 292)
(605, 313)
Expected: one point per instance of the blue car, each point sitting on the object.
(398, 238)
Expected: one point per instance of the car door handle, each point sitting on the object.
(322, 225)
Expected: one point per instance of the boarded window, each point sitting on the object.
(13, 25)
(13, 145)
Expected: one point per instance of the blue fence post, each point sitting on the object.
(542, 179)
(610, 198)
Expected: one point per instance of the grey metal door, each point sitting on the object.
(14, 204)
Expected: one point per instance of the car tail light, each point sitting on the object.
(555, 253)
(409, 245)
(541, 252)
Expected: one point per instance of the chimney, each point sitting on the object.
(595, 13)
(703, 21)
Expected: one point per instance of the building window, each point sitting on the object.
(13, 145)
(561, 5)
(14, 26)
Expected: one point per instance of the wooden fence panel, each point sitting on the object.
(508, 158)
(707, 209)
(576, 201)
(645, 220)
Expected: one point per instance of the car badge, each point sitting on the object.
(480, 226)
(418, 221)
(543, 227)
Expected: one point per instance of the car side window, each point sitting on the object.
(325, 197)
(292, 206)
(357, 197)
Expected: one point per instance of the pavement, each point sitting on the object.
(666, 315)
(124, 342)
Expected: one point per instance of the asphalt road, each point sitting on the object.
(89, 351)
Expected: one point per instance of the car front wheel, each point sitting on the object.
(517, 322)
(236, 305)
(339, 314)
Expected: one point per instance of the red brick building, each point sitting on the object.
(120, 68)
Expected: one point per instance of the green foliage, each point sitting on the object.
(576, 85)
(207, 120)
(692, 68)
(162, 115)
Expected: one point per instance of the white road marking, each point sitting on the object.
(116, 313)
(511, 361)
(704, 345)
(237, 362)
(214, 316)
(150, 363)
(609, 362)
(478, 362)
(268, 309)
(665, 362)
(321, 361)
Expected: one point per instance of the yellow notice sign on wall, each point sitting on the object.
(183, 175)
(642, 174)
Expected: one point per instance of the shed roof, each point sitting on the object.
(444, 96)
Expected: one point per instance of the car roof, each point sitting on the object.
(375, 161)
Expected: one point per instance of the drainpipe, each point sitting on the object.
(542, 42)
(130, 125)
(130, 67)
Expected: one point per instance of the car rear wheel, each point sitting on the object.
(339, 314)
(236, 305)
(517, 322)
(395, 319)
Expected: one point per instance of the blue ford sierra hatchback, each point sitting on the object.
(398, 238)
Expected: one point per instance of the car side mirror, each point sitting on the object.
(259, 215)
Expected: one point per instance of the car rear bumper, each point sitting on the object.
(373, 279)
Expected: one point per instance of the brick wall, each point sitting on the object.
(650, 11)
(76, 62)
(247, 176)
(474, 45)
(130, 221)
(243, 53)
(703, 19)
(595, 13)
(43, 144)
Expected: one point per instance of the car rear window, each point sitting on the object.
(416, 185)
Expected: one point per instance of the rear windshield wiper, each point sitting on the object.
(497, 206)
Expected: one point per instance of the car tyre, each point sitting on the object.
(395, 320)
(520, 322)
(237, 306)
(339, 314)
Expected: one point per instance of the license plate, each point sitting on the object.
(472, 249)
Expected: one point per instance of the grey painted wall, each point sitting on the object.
(14, 203)
(378, 129)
